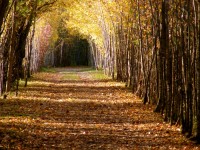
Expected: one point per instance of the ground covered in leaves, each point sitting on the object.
(79, 108)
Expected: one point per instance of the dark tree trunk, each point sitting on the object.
(3, 8)
(162, 58)
(198, 78)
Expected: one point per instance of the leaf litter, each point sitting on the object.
(82, 112)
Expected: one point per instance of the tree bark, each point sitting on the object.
(3, 8)
(11, 51)
(162, 58)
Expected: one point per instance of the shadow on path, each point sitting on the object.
(82, 114)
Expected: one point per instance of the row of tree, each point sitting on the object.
(16, 20)
(151, 45)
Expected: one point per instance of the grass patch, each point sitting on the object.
(86, 69)
(45, 69)
(98, 75)
(70, 76)
(74, 69)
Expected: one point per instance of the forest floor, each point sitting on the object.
(80, 108)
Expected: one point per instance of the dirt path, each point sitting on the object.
(70, 109)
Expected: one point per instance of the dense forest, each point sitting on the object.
(151, 45)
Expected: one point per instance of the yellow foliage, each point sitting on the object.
(92, 19)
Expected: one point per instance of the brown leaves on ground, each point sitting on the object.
(59, 112)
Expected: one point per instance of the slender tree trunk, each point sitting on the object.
(11, 51)
(3, 8)
(61, 52)
(1, 75)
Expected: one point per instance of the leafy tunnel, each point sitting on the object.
(151, 45)
(75, 52)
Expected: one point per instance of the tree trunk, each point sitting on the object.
(162, 58)
(3, 8)
(11, 51)
(198, 78)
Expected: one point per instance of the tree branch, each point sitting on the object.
(46, 4)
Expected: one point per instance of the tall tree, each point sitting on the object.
(3, 8)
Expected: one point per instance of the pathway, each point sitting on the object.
(72, 108)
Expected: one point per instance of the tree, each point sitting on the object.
(3, 7)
